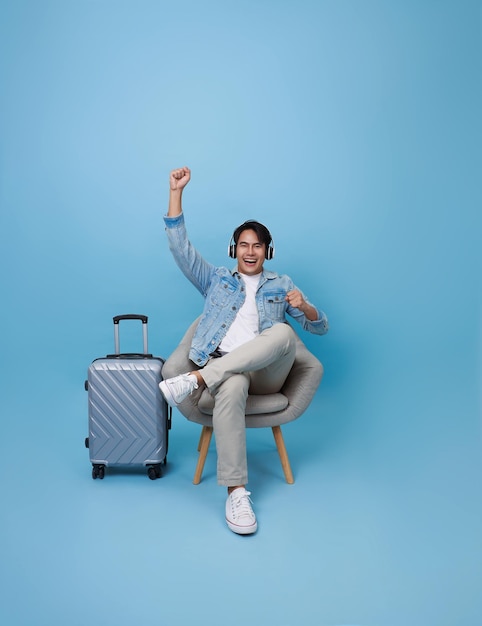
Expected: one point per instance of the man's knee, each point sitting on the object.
(284, 334)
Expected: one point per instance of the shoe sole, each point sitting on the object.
(242, 530)
(166, 392)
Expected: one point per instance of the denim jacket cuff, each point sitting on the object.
(174, 222)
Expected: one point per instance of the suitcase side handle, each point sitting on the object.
(130, 316)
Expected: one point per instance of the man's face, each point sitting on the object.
(250, 253)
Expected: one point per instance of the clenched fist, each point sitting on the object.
(295, 299)
(179, 178)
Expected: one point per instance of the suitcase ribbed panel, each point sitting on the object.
(127, 413)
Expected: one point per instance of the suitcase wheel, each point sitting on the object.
(98, 471)
(154, 471)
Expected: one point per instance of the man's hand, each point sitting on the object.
(179, 178)
(296, 300)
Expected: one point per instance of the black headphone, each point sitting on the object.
(259, 229)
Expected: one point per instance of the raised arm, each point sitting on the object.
(178, 179)
(193, 265)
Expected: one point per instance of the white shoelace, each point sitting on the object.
(183, 383)
(242, 505)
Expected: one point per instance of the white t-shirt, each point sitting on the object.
(246, 323)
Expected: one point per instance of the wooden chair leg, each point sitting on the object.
(204, 441)
(283, 455)
(200, 440)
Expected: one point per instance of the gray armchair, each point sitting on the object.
(270, 410)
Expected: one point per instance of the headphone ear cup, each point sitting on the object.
(232, 251)
(269, 253)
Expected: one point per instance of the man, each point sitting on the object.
(242, 343)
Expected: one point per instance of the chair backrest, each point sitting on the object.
(299, 388)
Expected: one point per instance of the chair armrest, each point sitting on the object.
(303, 379)
(180, 363)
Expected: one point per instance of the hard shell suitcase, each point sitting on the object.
(129, 419)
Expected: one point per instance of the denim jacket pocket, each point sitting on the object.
(275, 305)
(221, 294)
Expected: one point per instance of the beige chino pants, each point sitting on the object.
(258, 367)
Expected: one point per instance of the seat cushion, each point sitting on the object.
(255, 405)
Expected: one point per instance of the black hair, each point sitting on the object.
(261, 231)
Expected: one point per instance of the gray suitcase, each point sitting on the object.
(129, 420)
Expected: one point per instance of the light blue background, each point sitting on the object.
(352, 128)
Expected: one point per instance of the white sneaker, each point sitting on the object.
(176, 389)
(240, 517)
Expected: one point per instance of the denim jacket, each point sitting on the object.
(224, 294)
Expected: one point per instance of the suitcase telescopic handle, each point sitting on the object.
(130, 316)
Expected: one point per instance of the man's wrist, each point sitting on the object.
(310, 312)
